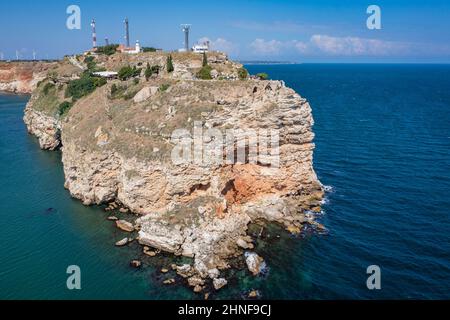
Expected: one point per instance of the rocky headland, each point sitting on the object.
(115, 139)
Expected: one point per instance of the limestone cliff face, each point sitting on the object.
(22, 77)
(120, 150)
(46, 128)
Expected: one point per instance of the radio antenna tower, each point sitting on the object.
(17, 55)
(34, 54)
(1, 56)
(107, 41)
(127, 32)
(94, 35)
(186, 28)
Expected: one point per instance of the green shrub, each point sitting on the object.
(148, 49)
(205, 60)
(130, 95)
(242, 74)
(99, 82)
(90, 63)
(113, 89)
(117, 91)
(170, 67)
(151, 70)
(89, 59)
(136, 80)
(263, 76)
(205, 73)
(64, 108)
(164, 87)
(108, 50)
(128, 72)
(48, 86)
(83, 86)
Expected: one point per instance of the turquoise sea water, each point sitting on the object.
(383, 145)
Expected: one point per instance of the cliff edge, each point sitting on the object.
(164, 141)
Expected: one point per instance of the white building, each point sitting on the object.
(106, 74)
(137, 49)
(201, 48)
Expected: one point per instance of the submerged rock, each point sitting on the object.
(122, 242)
(169, 281)
(136, 264)
(254, 294)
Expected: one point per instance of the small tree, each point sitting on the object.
(263, 76)
(243, 74)
(205, 59)
(170, 67)
(113, 89)
(148, 72)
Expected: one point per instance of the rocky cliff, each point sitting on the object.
(22, 77)
(118, 146)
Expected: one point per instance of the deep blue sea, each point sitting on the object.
(382, 146)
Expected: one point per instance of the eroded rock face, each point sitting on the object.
(22, 77)
(46, 128)
(116, 150)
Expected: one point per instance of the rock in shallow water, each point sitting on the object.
(255, 263)
(122, 242)
(219, 283)
(125, 225)
(136, 264)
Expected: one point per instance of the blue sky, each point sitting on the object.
(299, 31)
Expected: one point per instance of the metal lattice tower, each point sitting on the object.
(106, 41)
(127, 33)
(186, 28)
(94, 35)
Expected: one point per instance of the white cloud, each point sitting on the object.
(323, 44)
(263, 47)
(354, 46)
